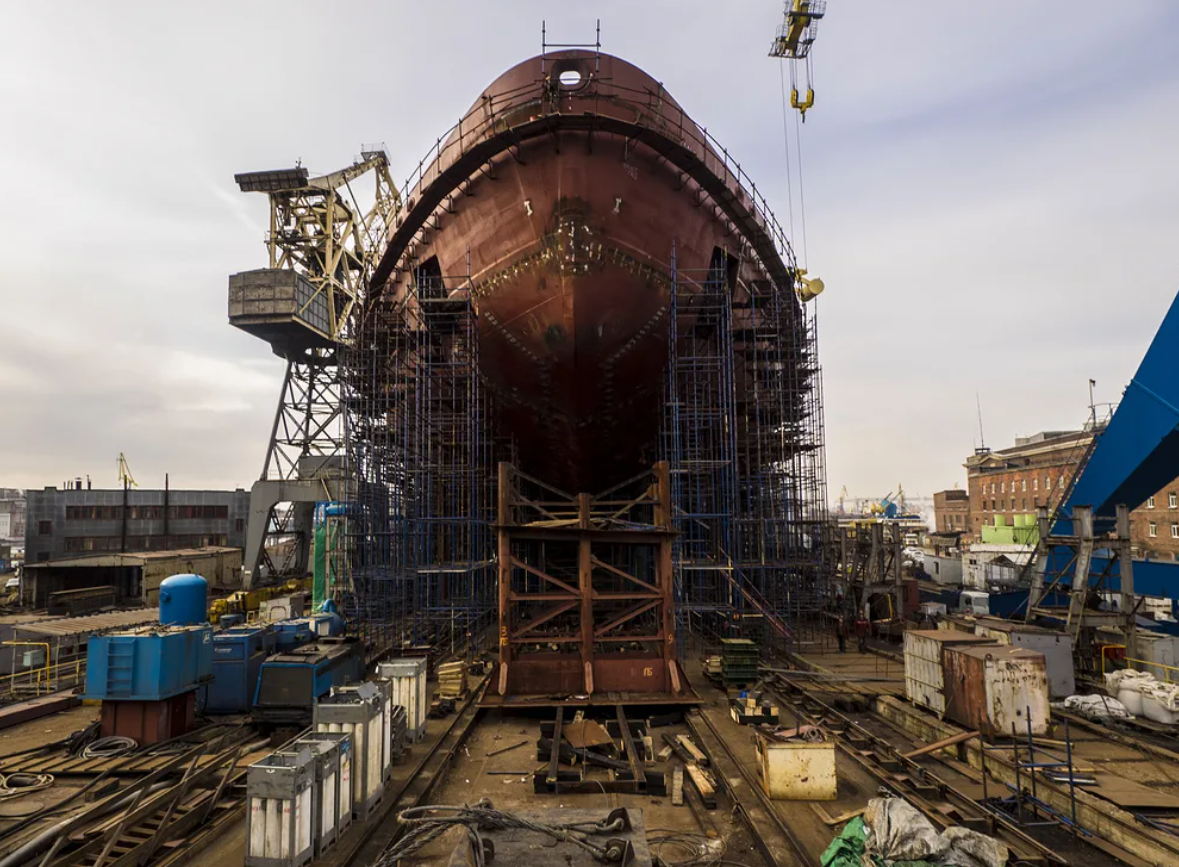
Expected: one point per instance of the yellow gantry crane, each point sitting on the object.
(323, 247)
(793, 41)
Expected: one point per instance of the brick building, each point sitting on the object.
(1037, 470)
(1017, 480)
(951, 511)
(76, 522)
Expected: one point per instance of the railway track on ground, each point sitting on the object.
(944, 804)
(881, 757)
(770, 832)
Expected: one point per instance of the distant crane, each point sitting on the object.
(125, 478)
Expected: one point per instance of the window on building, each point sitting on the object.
(1035, 484)
(993, 509)
(1175, 531)
(992, 487)
(1172, 501)
(44, 528)
(1023, 484)
(1024, 507)
(1003, 505)
(239, 525)
(1153, 529)
(1047, 483)
(1003, 487)
(958, 519)
(1150, 502)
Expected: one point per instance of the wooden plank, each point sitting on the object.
(555, 757)
(703, 785)
(937, 745)
(632, 755)
(677, 784)
(694, 751)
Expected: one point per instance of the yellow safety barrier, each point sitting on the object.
(45, 679)
(1170, 672)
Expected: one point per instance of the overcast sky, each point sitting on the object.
(992, 198)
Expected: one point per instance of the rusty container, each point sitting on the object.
(924, 679)
(997, 689)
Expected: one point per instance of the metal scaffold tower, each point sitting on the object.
(743, 436)
(419, 550)
(322, 247)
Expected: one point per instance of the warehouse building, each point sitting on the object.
(135, 577)
(77, 522)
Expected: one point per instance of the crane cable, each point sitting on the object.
(798, 157)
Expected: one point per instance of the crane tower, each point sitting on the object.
(323, 248)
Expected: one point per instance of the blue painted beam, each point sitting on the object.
(1139, 451)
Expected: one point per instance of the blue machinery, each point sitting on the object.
(1086, 546)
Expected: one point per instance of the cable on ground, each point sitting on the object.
(14, 785)
(110, 747)
(429, 823)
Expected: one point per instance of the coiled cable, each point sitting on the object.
(14, 785)
(110, 747)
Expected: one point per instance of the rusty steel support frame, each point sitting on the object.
(590, 572)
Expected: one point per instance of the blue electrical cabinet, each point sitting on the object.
(150, 663)
(238, 654)
(291, 634)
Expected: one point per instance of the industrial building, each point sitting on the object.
(134, 578)
(76, 522)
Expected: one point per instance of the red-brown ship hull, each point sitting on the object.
(565, 243)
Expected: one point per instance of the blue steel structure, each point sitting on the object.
(1135, 455)
(743, 435)
(1139, 450)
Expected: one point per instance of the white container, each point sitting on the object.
(282, 608)
(280, 822)
(343, 797)
(386, 690)
(924, 678)
(359, 711)
(325, 756)
(1163, 651)
(408, 678)
(797, 770)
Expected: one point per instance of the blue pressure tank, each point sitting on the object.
(184, 600)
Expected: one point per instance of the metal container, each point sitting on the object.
(359, 711)
(1057, 648)
(797, 770)
(325, 756)
(149, 722)
(291, 634)
(410, 690)
(184, 600)
(343, 797)
(150, 663)
(924, 681)
(997, 689)
(282, 607)
(1162, 654)
(385, 688)
(280, 821)
(238, 655)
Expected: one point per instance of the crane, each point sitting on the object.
(323, 248)
(793, 40)
(125, 478)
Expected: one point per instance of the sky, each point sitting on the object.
(991, 198)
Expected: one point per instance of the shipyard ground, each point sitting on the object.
(1124, 818)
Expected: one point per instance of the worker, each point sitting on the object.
(841, 632)
(862, 635)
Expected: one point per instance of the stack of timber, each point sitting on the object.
(452, 680)
(753, 708)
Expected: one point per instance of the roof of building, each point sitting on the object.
(60, 626)
(138, 558)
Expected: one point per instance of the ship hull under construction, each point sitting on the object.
(564, 242)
